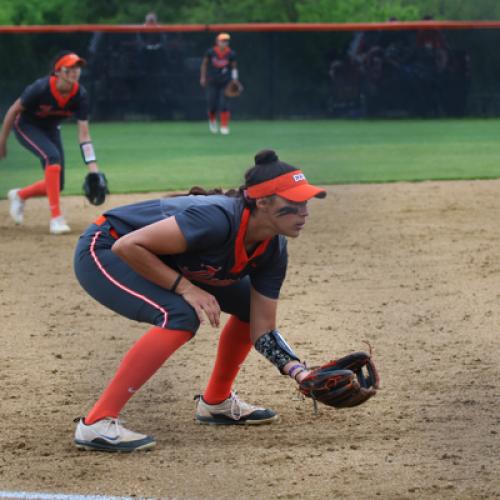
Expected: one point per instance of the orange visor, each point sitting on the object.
(292, 186)
(68, 61)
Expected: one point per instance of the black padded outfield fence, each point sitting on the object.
(425, 69)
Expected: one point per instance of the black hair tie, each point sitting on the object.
(176, 282)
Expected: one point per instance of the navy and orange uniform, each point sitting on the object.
(216, 260)
(46, 107)
(220, 61)
(37, 126)
(219, 64)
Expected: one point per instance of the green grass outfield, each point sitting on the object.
(161, 156)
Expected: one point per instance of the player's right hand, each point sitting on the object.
(202, 302)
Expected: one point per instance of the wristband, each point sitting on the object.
(176, 282)
(292, 373)
(88, 153)
(234, 74)
(274, 348)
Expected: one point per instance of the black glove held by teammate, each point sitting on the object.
(95, 187)
(342, 383)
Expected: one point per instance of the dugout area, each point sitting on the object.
(354, 70)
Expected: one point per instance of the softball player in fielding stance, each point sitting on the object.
(176, 262)
(36, 118)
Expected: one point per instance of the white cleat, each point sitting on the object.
(16, 209)
(224, 130)
(58, 225)
(212, 126)
(233, 411)
(109, 434)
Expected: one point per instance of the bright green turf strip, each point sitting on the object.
(160, 156)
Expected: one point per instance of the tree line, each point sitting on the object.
(15, 12)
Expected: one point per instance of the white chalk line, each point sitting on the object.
(29, 495)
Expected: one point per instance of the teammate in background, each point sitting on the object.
(174, 262)
(36, 116)
(217, 70)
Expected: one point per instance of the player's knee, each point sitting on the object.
(243, 315)
(183, 318)
(54, 158)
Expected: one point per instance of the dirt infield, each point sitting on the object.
(413, 268)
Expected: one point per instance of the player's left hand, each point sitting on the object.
(342, 383)
(233, 89)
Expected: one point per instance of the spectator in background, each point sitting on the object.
(431, 61)
(153, 68)
(398, 45)
(218, 68)
(361, 45)
(434, 42)
(152, 41)
(399, 72)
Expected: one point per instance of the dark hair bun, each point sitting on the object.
(266, 156)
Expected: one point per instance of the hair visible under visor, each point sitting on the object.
(270, 176)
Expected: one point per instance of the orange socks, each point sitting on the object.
(36, 189)
(50, 187)
(138, 365)
(234, 346)
(224, 118)
(154, 348)
(53, 186)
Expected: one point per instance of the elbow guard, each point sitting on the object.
(88, 153)
(275, 348)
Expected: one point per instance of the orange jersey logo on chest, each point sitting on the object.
(207, 272)
(45, 110)
(220, 59)
(219, 63)
(206, 275)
